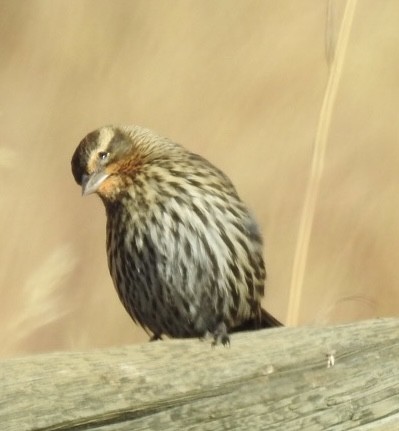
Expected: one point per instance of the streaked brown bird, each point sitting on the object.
(184, 253)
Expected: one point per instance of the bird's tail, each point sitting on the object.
(267, 320)
(262, 321)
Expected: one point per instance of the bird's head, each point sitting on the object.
(108, 159)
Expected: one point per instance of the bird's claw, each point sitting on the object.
(220, 335)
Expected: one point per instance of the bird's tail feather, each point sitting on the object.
(263, 320)
(267, 320)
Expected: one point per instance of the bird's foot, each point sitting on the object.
(156, 337)
(220, 335)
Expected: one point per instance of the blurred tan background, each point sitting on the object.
(241, 82)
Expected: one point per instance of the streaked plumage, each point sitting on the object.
(183, 251)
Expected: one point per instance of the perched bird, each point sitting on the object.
(184, 253)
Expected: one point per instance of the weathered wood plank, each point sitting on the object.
(273, 379)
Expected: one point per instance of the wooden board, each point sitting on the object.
(274, 379)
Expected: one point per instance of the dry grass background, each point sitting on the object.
(246, 83)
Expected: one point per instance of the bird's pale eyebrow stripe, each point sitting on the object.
(104, 136)
(118, 136)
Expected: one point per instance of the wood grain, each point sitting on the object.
(272, 379)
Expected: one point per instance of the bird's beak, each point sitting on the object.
(91, 183)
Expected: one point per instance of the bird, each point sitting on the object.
(184, 252)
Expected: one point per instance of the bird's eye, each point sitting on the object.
(103, 155)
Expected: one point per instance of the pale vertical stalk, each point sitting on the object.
(42, 300)
(308, 210)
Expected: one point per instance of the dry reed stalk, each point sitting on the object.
(41, 300)
(308, 209)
